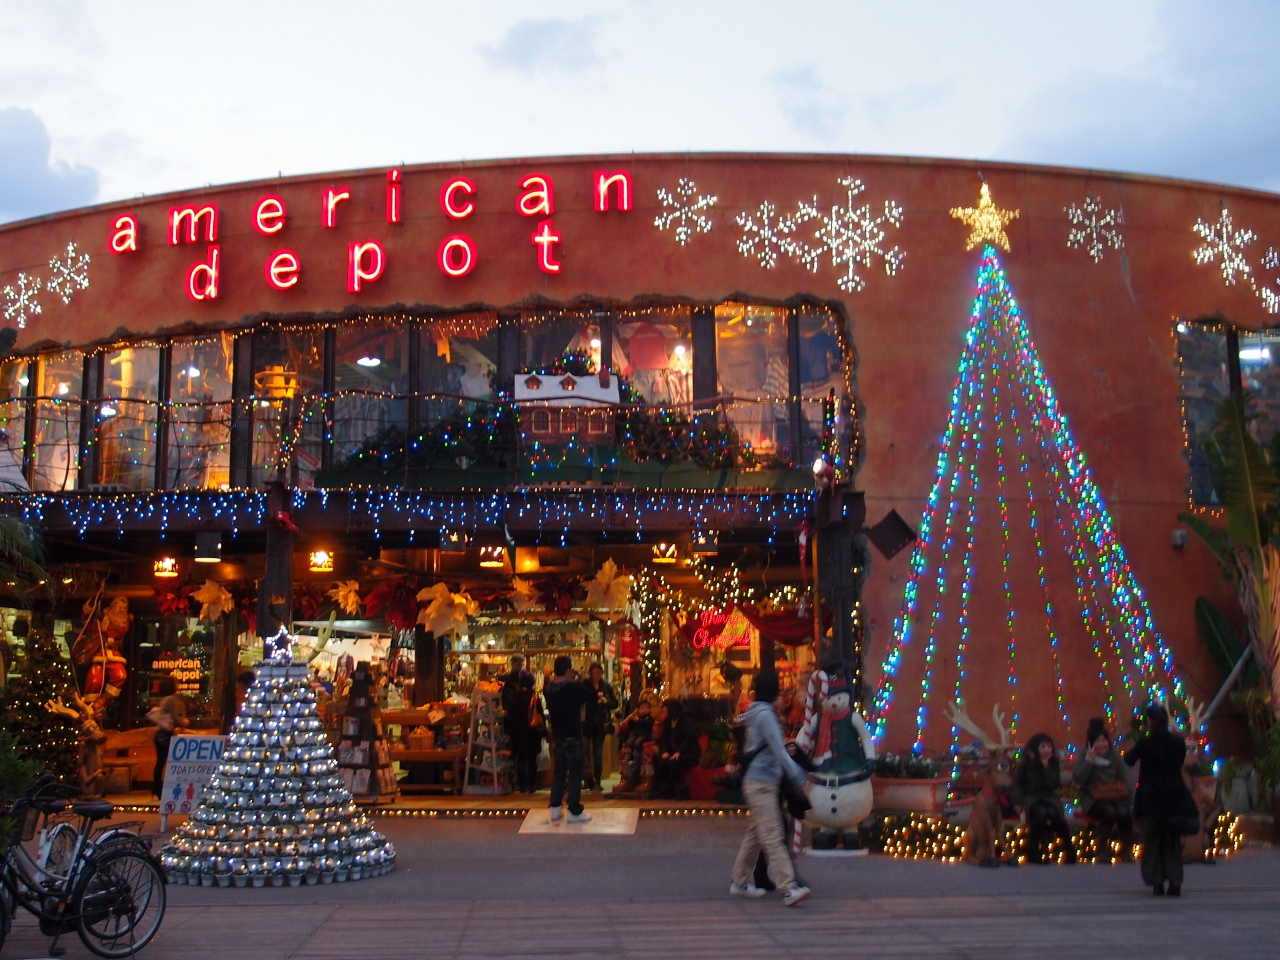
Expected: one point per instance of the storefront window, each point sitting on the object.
(655, 353)
(544, 341)
(200, 424)
(13, 423)
(751, 360)
(821, 371)
(57, 441)
(288, 412)
(126, 415)
(457, 358)
(371, 382)
(181, 648)
(1205, 383)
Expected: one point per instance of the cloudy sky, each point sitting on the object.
(106, 100)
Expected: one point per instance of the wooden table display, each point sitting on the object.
(363, 754)
(447, 723)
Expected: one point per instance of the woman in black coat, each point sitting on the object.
(526, 742)
(678, 751)
(1161, 800)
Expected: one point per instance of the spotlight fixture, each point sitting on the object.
(665, 553)
(320, 561)
(494, 556)
(369, 362)
(208, 547)
(165, 568)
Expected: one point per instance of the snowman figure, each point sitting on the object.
(842, 755)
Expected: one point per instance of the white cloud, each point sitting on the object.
(31, 181)
(552, 45)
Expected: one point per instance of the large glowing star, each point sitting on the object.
(365, 263)
(986, 221)
(545, 239)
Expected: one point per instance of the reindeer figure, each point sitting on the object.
(986, 822)
(90, 773)
(1196, 846)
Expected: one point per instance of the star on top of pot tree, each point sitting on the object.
(986, 221)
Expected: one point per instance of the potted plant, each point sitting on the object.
(909, 783)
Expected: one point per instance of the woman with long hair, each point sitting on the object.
(1162, 798)
(1036, 783)
(1105, 786)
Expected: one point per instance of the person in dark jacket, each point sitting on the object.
(678, 751)
(526, 742)
(1161, 799)
(566, 695)
(1102, 768)
(1036, 783)
(598, 722)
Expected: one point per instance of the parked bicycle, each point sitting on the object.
(103, 883)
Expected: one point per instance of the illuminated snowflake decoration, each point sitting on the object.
(853, 237)
(1223, 240)
(68, 273)
(1094, 228)
(1270, 299)
(20, 300)
(764, 234)
(683, 209)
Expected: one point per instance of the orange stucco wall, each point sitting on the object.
(1103, 330)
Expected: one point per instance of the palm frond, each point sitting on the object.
(1246, 485)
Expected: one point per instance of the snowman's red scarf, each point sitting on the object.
(822, 752)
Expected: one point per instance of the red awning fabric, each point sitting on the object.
(786, 628)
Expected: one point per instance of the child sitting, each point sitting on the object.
(633, 733)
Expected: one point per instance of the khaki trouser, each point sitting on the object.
(764, 832)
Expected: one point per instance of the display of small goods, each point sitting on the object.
(530, 634)
(488, 752)
(363, 756)
(277, 811)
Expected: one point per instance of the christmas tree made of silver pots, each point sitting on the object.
(276, 812)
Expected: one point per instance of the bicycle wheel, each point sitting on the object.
(62, 843)
(120, 903)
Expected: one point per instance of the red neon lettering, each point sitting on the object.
(125, 239)
(604, 181)
(191, 217)
(393, 196)
(282, 269)
(357, 270)
(450, 206)
(544, 237)
(457, 255)
(537, 199)
(202, 278)
(268, 216)
(332, 197)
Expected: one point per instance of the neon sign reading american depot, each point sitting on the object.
(456, 256)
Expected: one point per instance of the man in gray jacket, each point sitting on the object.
(769, 762)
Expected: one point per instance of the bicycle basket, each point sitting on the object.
(28, 818)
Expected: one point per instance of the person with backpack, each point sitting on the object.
(766, 763)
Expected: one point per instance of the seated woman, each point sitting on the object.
(1036, 783)
(1106, 787)
(678, 751)
(633, 733)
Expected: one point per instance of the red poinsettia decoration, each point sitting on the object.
(308, 601)
(175, 601)
(245, 594)
(492, 600)
(396, 600)
(557, 593)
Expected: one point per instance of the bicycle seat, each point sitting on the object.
(92, 809)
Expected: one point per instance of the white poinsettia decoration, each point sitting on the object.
(609, 590)
(346, 594)
(215, 601)
(523, 595)
(444, 610)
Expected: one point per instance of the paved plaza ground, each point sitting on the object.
(477, 888)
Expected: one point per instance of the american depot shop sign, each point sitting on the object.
(367, 258)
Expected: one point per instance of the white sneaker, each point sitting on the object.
(750, 890)
(556, 814)
(795, 895)
(582, 817)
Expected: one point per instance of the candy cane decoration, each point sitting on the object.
(819, 684)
